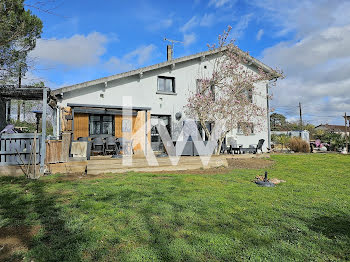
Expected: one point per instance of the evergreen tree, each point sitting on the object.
(19, 30)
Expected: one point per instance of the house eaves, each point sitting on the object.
(142, 70)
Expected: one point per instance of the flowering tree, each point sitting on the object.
(224, 97)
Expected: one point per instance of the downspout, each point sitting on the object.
(146, 133)
(73, 138)
(268, 117)
(58, 122)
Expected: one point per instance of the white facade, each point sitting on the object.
(142, 88)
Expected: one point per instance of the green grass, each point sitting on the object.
(226, 217)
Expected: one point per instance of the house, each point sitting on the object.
(338, 129)
(305, 135)
(158, 91)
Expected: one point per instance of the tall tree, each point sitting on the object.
(19, 30)
(278, 121)
(225, 96)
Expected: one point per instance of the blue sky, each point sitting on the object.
(85, 40)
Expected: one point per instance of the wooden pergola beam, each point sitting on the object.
(23, 93)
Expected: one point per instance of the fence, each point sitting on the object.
(15, 148)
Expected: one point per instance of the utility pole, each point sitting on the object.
(301, 119)
(346, 132)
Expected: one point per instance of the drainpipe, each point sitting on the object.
(268, 117)
(146, 133)
(58, 122)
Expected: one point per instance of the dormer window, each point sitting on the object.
(166, 85)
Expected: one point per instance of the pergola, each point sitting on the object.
(9, 92)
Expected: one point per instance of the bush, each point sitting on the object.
(296, 144)
(280, 139)
(336, 141)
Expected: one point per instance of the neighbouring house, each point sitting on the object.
(338, 129)
(305, 135)
(155, 92)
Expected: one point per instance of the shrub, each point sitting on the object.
(336, 141)
(281, 140)
(296, 144)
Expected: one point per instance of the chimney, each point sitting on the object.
(169, 52)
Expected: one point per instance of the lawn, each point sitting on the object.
(182, 217)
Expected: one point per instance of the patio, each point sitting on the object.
(105, 164)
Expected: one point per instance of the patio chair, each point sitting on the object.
(89, 144)
(98, 146)
(252, 148)
(233, 147)
(126, 146)
(111, 145)
(224, 148)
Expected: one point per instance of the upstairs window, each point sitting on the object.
(245, 128)
(166, 84)
(201, 89)
(248, 94)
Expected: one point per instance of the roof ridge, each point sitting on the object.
(160, 65)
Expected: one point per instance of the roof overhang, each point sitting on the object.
(137, 108)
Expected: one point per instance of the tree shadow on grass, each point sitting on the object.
(14, 208)
(332, 226)
(55, 241)
(337, 229)
(202, 239)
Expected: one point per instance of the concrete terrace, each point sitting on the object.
(105, 164)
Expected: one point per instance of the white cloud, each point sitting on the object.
(115, 64)
(166, 23)
(318, 73)
(189, 39)
(142, 54)
(259, 34)
(315, 59)
(313, 51)
(137, 57)
(303, 17)
(32, 77)
(207, 20)
(76, 51)
(218, 3)
(241, 26)
(161, 24)
(190, 24)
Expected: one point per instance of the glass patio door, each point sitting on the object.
(156, 141)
